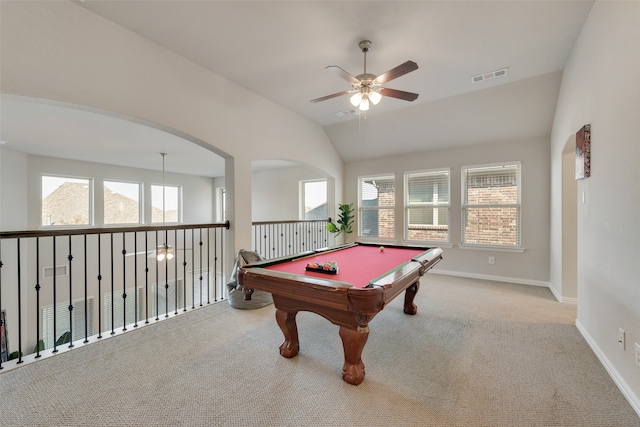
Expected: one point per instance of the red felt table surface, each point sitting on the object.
(357, 265)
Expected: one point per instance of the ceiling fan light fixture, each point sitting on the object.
(375, 97)
(164, 252)
(356, 99)
(364, 104)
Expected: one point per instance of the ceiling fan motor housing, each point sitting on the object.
(365, 45)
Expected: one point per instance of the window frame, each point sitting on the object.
(178, 204)
(140, 203)
(303, 192)
(221, 204)
(361, 208)
(90, 200)
(464, 206)
(437, 205)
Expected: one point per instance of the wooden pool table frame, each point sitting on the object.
(349, 307)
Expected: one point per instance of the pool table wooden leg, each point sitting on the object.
(410, 294)
(353, 342)
(287, 322)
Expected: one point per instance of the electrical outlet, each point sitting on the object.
(621, 339)
(638, 354)
(492, 260)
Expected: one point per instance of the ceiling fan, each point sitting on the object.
(164, 252)
(367, 88)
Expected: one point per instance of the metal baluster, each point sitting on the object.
(1, 316)
(175, 242)
(146, 276)
(86, 314)
(166, 275)
(184, 267)
(157, 284)
(135, 279)
(124, 284)
(38, 287)
(55, 344)
(208, 262)
(200, 269)
(99, 286)
(222, 259)
(113, 284)
(193, 276)
(19, 307)
(70, 258)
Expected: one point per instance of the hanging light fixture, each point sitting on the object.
(165, 251)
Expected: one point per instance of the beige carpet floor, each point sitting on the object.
(478, 353)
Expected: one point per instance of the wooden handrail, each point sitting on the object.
(291, 221)
(72, 231)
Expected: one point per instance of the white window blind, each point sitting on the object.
(491, 205)
(427, 205)
(62, 321)
(376, 207)
(119, 305)
(197, 291)
(166, 298)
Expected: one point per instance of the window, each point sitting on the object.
(165, 210)
(66, 201)
(121, 202)
(314, 199)
(376, 207)
(221, 204)
(491, 205)
(427, 205)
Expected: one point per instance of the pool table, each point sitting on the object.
(368, 277)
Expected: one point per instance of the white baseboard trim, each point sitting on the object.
(627, 392)
(517, 280)
(494, 278)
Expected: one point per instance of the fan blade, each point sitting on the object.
(394, 73)
(400, 94)
(342, 73)
(335, 95)
(138, 253)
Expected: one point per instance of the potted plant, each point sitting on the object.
(344, 222)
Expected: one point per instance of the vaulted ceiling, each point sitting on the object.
(279, 50)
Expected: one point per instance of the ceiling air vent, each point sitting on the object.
(490, 75)
(345, 113)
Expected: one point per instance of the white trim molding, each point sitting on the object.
(618, 379)
(494, 278)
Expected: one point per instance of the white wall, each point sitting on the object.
(532, 266)
(601, 86)
(13, 194)
(62, 52)
(275, 193)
